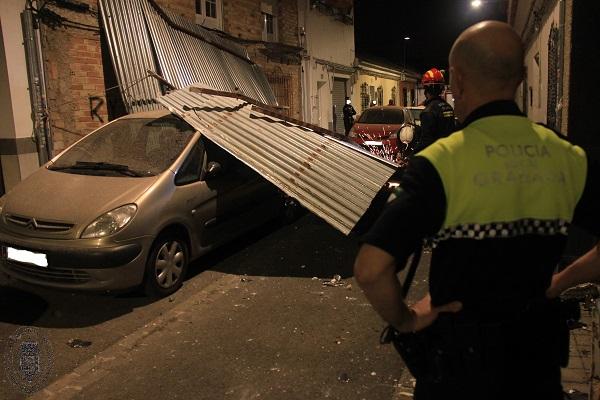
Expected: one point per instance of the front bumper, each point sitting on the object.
(78, 264)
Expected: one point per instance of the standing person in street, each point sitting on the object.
(497, 197)
(349, 114)
(437, 119)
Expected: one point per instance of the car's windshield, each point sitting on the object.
(128, 147)
(382, 116)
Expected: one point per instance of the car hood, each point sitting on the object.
(374, 131)
(72, 198)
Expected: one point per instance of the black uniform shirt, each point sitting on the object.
(476, 272)
(437, 121)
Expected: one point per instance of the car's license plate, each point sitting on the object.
(27, 256)
(373, 143)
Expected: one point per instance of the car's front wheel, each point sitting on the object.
(166, 266)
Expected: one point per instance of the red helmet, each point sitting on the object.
(433, 77)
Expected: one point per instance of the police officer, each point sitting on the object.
(349, 113)
(497, 197)
(437, 119)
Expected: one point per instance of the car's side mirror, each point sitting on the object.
(406, 133)
(213, 170)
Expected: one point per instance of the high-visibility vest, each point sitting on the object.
(506, 176)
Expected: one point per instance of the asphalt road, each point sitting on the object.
(256, 319)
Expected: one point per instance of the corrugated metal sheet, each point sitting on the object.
(330, 179)
(142, 37)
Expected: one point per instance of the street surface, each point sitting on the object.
(258, 318)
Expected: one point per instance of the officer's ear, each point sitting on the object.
(457, 82)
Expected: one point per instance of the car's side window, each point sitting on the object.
(191, 169)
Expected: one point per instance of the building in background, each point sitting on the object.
(66, 66)
(561, 59)
(326, 31)
(383, 83)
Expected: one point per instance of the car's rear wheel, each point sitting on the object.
(166, 266)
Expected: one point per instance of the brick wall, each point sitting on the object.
(185, 8)
(73, 65)
(73, 62)
(288, 22)
(242, 19)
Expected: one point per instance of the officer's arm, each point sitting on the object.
(586, 216)
(375, 272)
(585, 269)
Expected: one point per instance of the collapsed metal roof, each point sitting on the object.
(334, 181)
(143, 37)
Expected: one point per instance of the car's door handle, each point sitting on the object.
(210, 222)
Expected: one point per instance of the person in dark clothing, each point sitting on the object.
(437, 119)
(349, 113)
(497, 198)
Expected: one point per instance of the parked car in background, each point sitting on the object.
(130, 204)
(385, 131)
(416, 113)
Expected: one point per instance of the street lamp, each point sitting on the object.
(476, 3)
(406, 39)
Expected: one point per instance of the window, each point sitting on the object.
(282, 88)
(269, 24)
(269, 20)
(364, 96)
(404, 97)
(209, 13)
(191, 170)
(211, 8)
(379, 96)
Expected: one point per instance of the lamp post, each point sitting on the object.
(406, 39)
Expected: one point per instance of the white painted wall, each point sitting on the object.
(15, 105)
(327, 39)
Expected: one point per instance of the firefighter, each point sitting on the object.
(497, 197)
(437, 119)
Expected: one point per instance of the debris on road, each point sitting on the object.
(334, 282)
(343, 377)
(78, 343)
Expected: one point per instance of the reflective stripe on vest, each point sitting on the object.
(505, 176)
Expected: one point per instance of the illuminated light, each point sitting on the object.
(476, 3)
(407, 38)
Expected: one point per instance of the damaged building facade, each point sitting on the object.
(64, 78)
(63, 55)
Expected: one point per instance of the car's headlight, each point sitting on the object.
(109, 223)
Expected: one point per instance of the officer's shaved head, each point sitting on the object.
(487, 61)
(490, 52)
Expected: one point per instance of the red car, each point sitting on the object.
(378, 130)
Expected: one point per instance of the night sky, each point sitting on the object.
(432, 25)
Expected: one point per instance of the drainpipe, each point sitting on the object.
(561, 65)
(37, 85)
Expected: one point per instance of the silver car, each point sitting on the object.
(131, 203)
